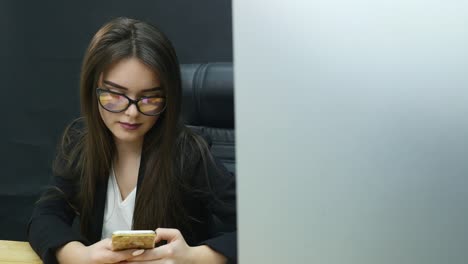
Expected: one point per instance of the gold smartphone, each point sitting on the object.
(133, 239)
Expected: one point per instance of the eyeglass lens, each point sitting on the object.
(115, 102)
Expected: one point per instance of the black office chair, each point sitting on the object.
(208, 106)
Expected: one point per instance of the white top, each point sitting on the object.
(118, 214)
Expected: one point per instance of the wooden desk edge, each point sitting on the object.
(18, 252)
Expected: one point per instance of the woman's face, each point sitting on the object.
(134, 79)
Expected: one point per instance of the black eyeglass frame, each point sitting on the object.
(130, 101)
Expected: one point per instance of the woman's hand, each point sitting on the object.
(176, 251)
(101, 252)
(98, 253)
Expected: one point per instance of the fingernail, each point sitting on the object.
(138, 252)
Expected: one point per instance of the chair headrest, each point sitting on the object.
(208, 95)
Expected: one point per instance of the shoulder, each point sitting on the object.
(70, 147)
(191, 140)
(194, 156)
(192, 147)
(72, 137)
(74, 131)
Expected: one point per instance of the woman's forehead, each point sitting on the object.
(131, 73)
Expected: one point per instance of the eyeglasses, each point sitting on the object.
(117, 102)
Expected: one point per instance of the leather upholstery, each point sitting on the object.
(208, 106)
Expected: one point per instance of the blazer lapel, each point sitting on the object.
(98, 212)
(141, 171)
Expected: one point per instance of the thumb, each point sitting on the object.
(168, 234)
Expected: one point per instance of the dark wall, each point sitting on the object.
(41, 49)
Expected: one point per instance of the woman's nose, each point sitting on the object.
(132, 110)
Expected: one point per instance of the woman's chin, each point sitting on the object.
(127, 137)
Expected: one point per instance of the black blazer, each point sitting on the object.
(215, 224)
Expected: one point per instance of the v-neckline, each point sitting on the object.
(94, 234)
(121, 200)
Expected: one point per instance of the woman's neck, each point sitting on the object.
(128, 150)
(126, 166)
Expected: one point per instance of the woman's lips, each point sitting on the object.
(129, 126)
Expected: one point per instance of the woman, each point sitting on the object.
(129, 163)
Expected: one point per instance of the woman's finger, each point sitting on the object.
(107, 242)
(120, 255)
(117, 256)
(159, 253)
(168, 234)
(161, 261)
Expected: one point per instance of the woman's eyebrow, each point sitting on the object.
(125, 88)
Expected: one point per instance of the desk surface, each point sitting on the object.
(18, 253)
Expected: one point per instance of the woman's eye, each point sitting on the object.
(116, 96)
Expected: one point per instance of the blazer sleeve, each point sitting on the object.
(50, 225)
(222, 205)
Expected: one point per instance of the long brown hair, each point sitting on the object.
(164, 143)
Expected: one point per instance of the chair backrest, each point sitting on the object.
(208, 106)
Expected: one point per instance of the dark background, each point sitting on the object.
(41, 48)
